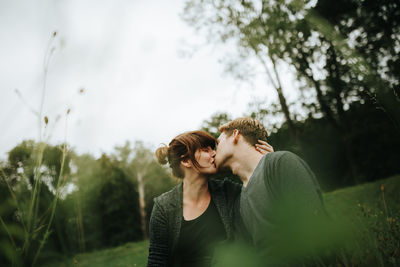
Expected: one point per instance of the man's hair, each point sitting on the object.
(252, 130)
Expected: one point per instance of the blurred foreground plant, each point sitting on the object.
(381, 236)
(368, 237)
(33, 186)
(34, 178)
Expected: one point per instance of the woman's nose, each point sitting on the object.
(213, 153)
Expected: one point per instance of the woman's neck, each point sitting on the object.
(195, 187)
(196, 196)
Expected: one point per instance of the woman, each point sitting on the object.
(188, 221)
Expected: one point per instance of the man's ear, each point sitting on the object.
(235, 135)
(187, 163)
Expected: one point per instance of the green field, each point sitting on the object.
(129, 254)
(365, 203)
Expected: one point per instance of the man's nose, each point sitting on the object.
(213, 153)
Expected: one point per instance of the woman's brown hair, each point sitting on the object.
(183, 147)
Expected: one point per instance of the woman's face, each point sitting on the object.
(205, 158)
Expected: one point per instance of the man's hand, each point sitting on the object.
(263, 147)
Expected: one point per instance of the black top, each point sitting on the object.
(198, 238)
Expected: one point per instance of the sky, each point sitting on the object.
(127, 70)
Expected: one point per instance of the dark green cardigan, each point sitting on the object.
(167, 214)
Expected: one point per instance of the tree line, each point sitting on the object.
(80, 203)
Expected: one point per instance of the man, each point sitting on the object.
(280, 195)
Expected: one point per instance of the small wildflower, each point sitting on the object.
(382, 187)
(75, 261)
(359, 205)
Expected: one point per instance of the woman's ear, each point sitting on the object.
(186, 163)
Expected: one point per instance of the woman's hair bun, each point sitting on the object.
(162, 155)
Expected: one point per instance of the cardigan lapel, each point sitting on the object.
(176, 205)
(220, 202)
(176, 216)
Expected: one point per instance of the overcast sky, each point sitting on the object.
(134, 61)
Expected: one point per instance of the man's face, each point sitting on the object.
(224, 150)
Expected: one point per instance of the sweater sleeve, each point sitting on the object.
(158, 229)
(297, 184)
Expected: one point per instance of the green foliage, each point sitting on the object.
(158, 180)
(118, 205)
(105, 203)
(374, 146)
(211, 126)
(34, 176)
(11, 233)
(82, 203)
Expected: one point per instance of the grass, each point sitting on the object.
(372, 212)
(129, 254)
(345, 201)
(377, 196)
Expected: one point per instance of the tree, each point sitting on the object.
(225, 21)
(345, 52)
(138, 162)
(118, 204)
(368, 35)
(211, 126)
(141, 163)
